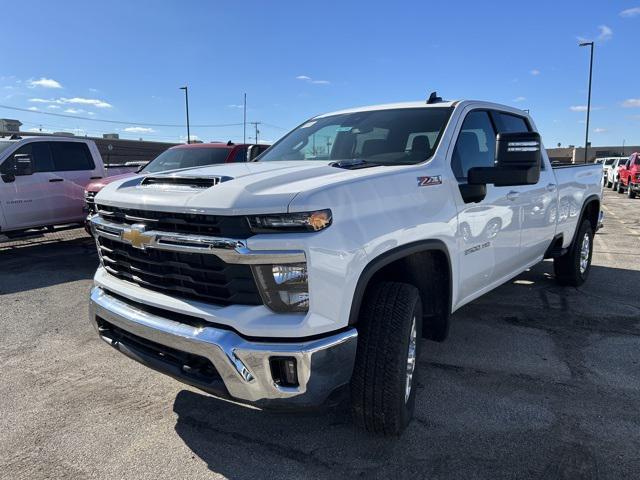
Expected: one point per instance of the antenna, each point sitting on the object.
(434, 98)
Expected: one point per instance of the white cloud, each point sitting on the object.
(44, 82)
(74, 110)
(308, 79)
(94, 102)
(535, 72)
(94, 90)
(631, 103)
(33, 109)
(519, 99)
(578, 108)
(599, 130)
(605, 33)
(53, 107)
(39, 130)
(235, 106)
(139, 130)
(630, 12)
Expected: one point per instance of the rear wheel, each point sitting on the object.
(630, 192)
(573, 267)
(620, 187)
(609, 184)
(383, 381)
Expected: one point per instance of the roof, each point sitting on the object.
(391, 106)
(211, 145)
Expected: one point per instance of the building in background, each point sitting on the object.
(573, 154)
(10, 126)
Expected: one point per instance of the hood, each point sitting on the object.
(254, 187)
(98, 185)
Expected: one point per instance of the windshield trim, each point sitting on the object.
(436, 144)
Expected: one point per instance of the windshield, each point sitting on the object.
(387, 137)
(175, 158)
(5, 145)
(609, 161)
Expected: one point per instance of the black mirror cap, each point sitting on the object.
(23, 165)
(473, 193)
(518, 149)
(503, 177)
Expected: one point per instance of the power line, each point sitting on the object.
(119, 122)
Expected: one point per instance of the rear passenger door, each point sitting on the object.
(537, 203)
(74, 167)
(489, 230)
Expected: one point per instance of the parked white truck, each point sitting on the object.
(43, 179)
(318, 268)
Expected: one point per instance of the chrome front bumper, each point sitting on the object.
(323, 365)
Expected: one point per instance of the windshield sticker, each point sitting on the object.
(428, 181)
(309, 124)
(343, 129)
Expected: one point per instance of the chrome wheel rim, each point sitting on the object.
(584, 253)
(411, 360)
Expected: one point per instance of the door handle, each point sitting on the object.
(551, 187)
(52, 180)
(513, 195)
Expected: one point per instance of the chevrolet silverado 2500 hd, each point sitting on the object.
(320, 266)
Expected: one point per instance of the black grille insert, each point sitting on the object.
(218, 225)
(203, 277)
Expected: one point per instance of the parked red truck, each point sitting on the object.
(183, 156)
(629, 176)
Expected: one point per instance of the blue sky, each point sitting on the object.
(125, 61)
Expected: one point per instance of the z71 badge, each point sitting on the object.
(428, 181)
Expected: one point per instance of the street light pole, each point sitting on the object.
(186, 101)
(244, 120)
(586, 136)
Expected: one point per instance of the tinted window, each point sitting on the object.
(188, 157)
(40, 155)
(510, 123)
(69, 156)
(476, 145)
(241, 154)
(379, 136)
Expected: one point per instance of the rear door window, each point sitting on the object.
(71, 156)
(507, 123)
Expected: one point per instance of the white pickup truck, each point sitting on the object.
(318, 268)
(43, 179)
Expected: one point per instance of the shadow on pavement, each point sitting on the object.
(42, 265)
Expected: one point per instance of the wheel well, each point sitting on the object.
(429, 271)
(592, 212)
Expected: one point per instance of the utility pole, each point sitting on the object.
(244, 120)
(586, 137)
(186, 101)
(255, 124)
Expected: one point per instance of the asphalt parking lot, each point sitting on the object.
(535, 381)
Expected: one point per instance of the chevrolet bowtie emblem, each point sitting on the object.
(136, 236)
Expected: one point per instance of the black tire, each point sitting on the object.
(615, 186)
(630, 192)
(567, 267)
(609, 184)
(378, 384)
(620, 188)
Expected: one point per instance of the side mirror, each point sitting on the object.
(22, 164)
(518, 161)
(252, 152)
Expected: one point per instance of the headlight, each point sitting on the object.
(291, 222)
(283, 288)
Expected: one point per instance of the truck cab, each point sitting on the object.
(43, 180)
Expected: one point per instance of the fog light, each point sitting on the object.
(283, 288)
(284, 371)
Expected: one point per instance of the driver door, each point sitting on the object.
(26, 199)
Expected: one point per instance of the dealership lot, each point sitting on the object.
(534, 381)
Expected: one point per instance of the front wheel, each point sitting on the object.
(609, 184)
(573, 267)
(383, 382)
(620, 187)
(630, 192)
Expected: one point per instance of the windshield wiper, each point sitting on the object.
(354, 164)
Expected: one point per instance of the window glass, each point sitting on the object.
(510, 123)
(187, 157)
(241, 155)
(40, 155)
(637, 161)
(396, 136)
(475, 146)
(609, 161)
(70, 156)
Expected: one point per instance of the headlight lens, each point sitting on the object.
(291, 222)
(284, 288)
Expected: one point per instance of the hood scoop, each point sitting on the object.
(182, 183)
